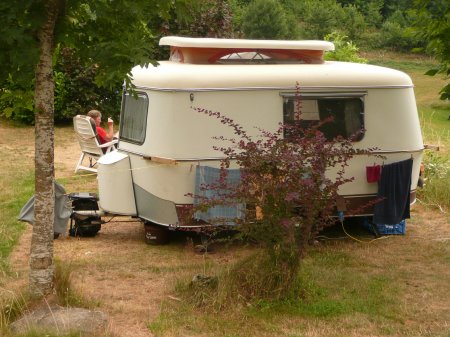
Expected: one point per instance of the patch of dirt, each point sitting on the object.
(130, 280)
(122, 297)
(116, 270)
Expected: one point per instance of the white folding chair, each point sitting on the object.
(88, 139)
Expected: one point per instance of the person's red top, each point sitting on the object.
(101, 134)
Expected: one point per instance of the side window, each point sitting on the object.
(347, 114)
(133, 118)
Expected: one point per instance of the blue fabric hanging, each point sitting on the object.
(394, 188)
(222, 215)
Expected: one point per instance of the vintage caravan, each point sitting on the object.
(163, 140)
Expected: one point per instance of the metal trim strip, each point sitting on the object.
(272, 88)
(324, 94)
(221, 158)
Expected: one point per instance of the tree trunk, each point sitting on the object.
(41, 250)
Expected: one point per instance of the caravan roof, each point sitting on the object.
(170, 76)
(231, 64)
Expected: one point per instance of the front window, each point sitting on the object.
(133, 119)
(346, 111)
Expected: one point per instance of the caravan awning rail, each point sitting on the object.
(175, 161)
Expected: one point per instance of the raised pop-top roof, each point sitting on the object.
(212, 50)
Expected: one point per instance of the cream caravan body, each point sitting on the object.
(163, 139)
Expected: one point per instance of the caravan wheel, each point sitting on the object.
(156, 234)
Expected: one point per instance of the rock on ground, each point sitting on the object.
(62, 320)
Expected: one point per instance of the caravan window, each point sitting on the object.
(347, 111)
(133, 120)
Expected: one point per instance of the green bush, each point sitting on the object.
(75, 93)
(370, 39)
(16, 101)
(436, 190)
(345, 50)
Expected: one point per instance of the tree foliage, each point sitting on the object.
(76, 91)
(84, 26)
(266, 19)
(105, 38)
(16, 101)
(353, 24)
(385, 7)
(212, 18)
(396, 32)
(369, 23)
(319, 18)
(433, 25)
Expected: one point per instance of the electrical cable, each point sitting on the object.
(341, 219)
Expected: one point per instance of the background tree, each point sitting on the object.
(76, 91)
(372, 13)
(30, 31)
(370, 9)
(238, 8)
(396, 32)
(196, 18)
(266, 19)
(433, 25)
(372, 24)
(319, 18)
(212, 18)
(41, 250)
(390, 6)
(199, 18)
(353, 24)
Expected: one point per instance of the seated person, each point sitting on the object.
(103, 136)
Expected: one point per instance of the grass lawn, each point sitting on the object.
(382, 288)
